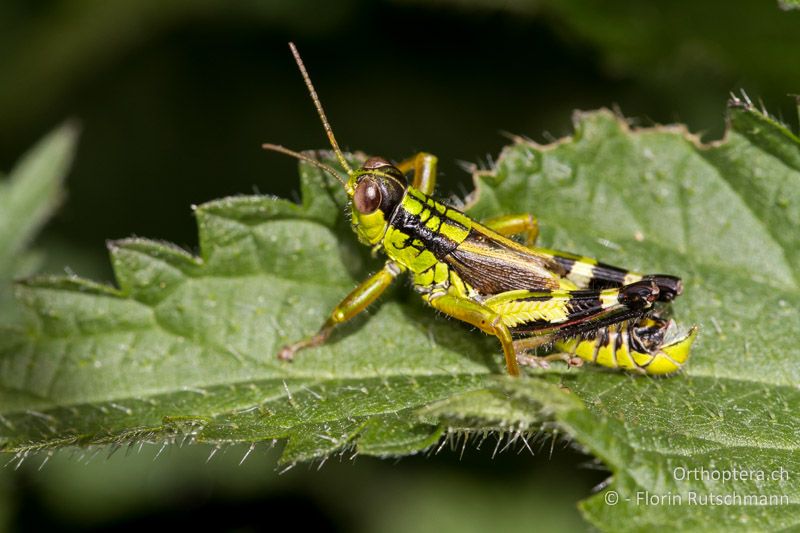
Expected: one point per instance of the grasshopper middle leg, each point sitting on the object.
(482, 318)
(520, 224)
(424, 167)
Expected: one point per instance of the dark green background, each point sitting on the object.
(174, 100)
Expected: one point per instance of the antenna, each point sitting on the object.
(297, 155)
(320, 111)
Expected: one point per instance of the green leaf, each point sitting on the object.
(185, 347)
(725, 218)
(28, 196)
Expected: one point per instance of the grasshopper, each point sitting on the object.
(476, 272)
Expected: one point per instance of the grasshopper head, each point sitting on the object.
(377, 189)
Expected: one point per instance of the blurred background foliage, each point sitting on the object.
(174, 99)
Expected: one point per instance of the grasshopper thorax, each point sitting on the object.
(378, 189)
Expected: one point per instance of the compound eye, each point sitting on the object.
(367, 198)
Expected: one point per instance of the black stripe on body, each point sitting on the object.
(618, 340)
(442, 211)
(638, 345)
(582, 303)
(414, 226)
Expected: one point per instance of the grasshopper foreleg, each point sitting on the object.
(355, 302)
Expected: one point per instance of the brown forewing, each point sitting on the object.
(493, 264)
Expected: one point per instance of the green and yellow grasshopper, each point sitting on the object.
(527, 297)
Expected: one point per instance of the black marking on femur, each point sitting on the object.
(580, 325)
(583, 301)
